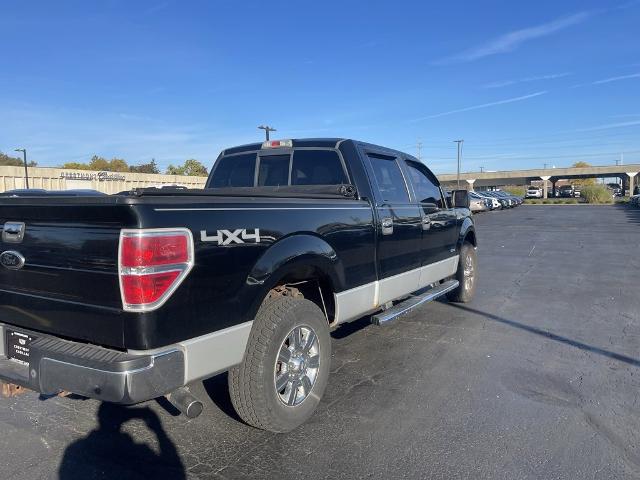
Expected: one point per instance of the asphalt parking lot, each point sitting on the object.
(538, 377)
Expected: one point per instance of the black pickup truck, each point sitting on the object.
(129, 297)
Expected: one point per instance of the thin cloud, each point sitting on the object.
(506, 83)
(608, 126)
(511, 41)
(615, 79)
(484, 105)
(608, 80)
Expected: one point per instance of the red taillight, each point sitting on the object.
(144, 289)
(152, 264)
(140, 251)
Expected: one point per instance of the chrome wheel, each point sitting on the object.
(297, 365)
(468, 272)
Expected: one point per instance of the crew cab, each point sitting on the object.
(125, 298)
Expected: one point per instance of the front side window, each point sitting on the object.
(234, 171)
(427, 191)
(389, 179)
(317, 167)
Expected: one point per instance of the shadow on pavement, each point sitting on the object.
(217, 389)
(350, 328)
(552, 336)
(108, 452)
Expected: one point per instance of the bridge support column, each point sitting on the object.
(631, 176)
(470, 184)
(545, 186)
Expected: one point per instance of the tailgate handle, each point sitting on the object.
(13, 232)
(387, 226)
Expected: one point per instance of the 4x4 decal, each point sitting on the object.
(227, 237)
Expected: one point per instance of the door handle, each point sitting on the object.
(426, 223)
(387, 226)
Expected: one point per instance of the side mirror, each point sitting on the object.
(460, 199)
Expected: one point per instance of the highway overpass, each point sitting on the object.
(480, 180)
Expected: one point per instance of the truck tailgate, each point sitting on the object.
(68, 284)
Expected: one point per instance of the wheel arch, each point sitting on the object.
(467, 233)
(305, 262)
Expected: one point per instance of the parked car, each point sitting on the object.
(504, 202)
(515, 200)
(492, 202)
(534, 192)
(478, 204)
(124, 298)
(566, 191)
(616, 189)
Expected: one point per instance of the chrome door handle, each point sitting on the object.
(387, 226)
(426, 223)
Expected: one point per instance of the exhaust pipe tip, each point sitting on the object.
(184, 401)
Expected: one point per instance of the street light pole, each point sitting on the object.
(267, 129)
(26, 172)
(459, 142)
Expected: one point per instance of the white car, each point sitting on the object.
(534, 192)
(495, 203)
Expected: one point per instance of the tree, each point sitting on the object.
(583, 182)
(100, 164)
(75, 166)
(118, 165)
(6, 160)
(190, 168)
(151, 167)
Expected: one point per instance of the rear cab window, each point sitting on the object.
(299, 167)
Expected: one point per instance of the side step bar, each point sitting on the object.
(413, 301)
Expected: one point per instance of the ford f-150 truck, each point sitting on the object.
(129, 297)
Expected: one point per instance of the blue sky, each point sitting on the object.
(523, 83)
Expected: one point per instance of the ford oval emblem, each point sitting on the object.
(12, 260)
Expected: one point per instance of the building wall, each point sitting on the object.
(108, 182)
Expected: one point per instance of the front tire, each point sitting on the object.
(282, 378)
(466, 274)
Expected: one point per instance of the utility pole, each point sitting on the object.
(481, 169)
(459, 142)
(26, 172)
(419, 151)
(267, 129)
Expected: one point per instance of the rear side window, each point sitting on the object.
(317, 167)
(389, 179)
(235, 171)
(273, 171)
(426, 189)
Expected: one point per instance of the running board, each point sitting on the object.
(413, 301)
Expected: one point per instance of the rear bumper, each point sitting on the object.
(55, 365)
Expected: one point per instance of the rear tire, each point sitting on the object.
(282, 378)
(466, 274)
